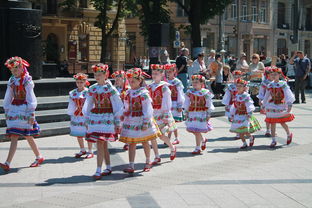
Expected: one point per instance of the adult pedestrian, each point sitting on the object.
(242, 64)
(210, 59)
(302, 69)
(198, 65)
(182, 64)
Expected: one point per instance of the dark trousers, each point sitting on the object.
(300, 85)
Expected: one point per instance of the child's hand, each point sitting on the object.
(144, 127)
(165, 120)
(31, 121)
(117, 129)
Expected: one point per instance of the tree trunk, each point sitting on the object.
(194, 19)
(103, 46)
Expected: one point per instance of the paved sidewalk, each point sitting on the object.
(223, 176)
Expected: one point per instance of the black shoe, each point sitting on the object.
(303, 102)
(296, 102)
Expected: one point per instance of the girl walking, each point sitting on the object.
(19, 105)
(102, 109)
(198, 107)
(78, 128)
(138, 125)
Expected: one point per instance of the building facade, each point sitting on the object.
(70, 35)
(265, 27)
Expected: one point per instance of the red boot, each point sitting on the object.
(37, 162)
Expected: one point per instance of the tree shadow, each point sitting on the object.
(237, 149)
(180, 154)
(66, 159)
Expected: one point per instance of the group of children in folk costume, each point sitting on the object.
(141, 113)
(275, 99)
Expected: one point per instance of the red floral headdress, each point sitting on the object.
(82, 76)
(16, 61)
(119, 73)
(100, 68)
(242, 82)
(198, 77)
(274, 69)
(169, 66)
(157, 67)
(137, 73)
(237, 72)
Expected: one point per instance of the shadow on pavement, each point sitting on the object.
(12, 170)
(66, 159)
(237, 149)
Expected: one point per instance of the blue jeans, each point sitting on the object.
(183, 78)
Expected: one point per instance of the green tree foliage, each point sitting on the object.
(199, 12)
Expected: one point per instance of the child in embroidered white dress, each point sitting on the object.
(278, 102)
(121, 84)
(262, 90)
(138, 125)
(243, 122)
(161, 96)
(177, 97)
(230, 93)
(102, 109)
(198, 107)
(78, 127)
(19, 105)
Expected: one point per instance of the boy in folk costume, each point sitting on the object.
(198, 107)
(102, 109)
(122, 85)
(230, 93)
(278, 102)
(19, 105)
(262, 90)
(161, 98)
(78, 127)
(243, 122)
(177, 97)
(138, 124)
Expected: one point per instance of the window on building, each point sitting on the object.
(281, 47)
(233, 9)
(263, 12)
(180, 10)
(84, 47)
(259, 46)
(51, 7)
(244, 12)
(307, 48)
(254, 13)
(308, 24)
(281, 14)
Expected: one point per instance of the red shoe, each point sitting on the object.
(173, 153)
(128, 170)
(244, 146)
(97, 176)
(273, 144)
(37, 162)
(148, 167)
(5, 167)
(80, 154)
(203, 146)
(196, 152)
(106, 172)
(89, 155)
(289, 138)
(268, 134)
(156, 161)
(176, 141)
(251, 141)
(126, 147)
